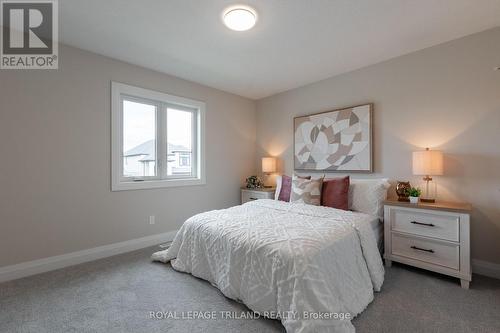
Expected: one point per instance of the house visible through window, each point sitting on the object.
(179, 139)
(139, 139)
(157, 139)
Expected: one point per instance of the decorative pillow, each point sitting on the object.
(284, 187)
(306, 191)
(335, 193)
(278, 187)
(367, 196)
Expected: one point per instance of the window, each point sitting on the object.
(185, 160)
(157, 139)
(139, 139)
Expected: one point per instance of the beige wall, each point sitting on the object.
(55, 193)
(446, 97)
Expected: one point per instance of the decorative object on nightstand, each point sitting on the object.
(254, 182)
(268, 168)
(413, 194)
(432, 236)
(402, 191)
(428, 163)
(257, 193)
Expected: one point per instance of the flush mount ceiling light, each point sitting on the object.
(239, 18)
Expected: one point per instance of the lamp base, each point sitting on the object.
(429, 191)
(266, 180)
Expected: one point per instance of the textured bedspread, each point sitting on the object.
(305, 264)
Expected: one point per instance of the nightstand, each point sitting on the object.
(433, 236)
(249, 194)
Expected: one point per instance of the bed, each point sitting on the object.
(312, 267)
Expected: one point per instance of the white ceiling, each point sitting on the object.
(295, 42)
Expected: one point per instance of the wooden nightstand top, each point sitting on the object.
(461, 207)
(264, 189)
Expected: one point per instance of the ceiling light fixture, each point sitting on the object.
(239, 18)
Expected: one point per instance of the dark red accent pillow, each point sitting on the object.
(286, 187)
(335, 193)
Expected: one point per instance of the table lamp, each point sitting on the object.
(428, 163)
(268, 167)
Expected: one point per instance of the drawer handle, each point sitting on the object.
(253, 198)
(420, 249)
(420, 223)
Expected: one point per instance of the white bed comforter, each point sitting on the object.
(292, 261)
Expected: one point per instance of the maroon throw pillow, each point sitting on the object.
(286, 187)
(335, 193)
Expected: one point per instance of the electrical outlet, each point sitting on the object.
(152, 219)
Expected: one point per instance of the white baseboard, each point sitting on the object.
(486, 268)
(74, 258)
(69, 259)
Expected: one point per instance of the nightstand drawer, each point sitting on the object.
(250, 195)
(443, 254)
(442, 226)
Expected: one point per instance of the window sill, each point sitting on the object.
(152, 184)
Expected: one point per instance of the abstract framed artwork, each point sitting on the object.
(335, 141)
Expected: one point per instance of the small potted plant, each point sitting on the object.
(254, 182)
(414, 193)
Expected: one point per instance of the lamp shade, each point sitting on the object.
(268, 164)
(428, 162)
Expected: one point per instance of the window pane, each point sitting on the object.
(179, 143)
(139, 139)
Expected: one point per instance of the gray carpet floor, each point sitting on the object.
(117, 294)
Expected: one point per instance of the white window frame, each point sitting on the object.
(162, 101)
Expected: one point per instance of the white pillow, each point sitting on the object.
(367, 196)
(278, 188)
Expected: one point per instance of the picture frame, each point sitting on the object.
(339, 140)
